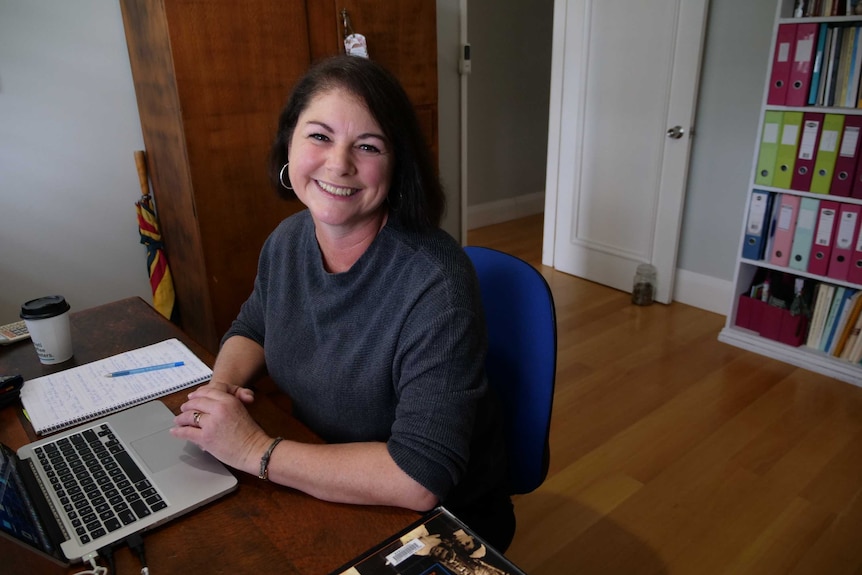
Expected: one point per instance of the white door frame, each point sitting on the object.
(463, 74)
(552, 179)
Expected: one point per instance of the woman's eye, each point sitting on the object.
(368, 148)
(319, 137)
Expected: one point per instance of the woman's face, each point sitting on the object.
(340, 162)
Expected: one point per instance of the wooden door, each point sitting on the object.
(626, 74)
(210, 79)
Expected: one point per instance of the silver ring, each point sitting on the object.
(197, 418)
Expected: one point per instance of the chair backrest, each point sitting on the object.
(522, 358)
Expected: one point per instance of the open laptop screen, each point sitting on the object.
(18, 517)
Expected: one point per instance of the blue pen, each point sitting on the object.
(144, 369)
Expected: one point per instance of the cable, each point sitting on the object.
(108, 553)
(96, 569)
(136, 544)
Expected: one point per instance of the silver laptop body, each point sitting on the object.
(93, 502)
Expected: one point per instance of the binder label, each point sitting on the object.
(756, 214)
(828, 140)
(783, 52)
(789, 135)
(848, 143)
(824, 230)
(785, 218)
(806, 219)
(809, 140)
(770, 133)
(846, 227)
(804, 46)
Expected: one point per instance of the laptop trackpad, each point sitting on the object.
(162, 450)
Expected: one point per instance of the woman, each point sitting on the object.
(367, 315)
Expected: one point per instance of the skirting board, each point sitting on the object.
(490, 213)
(704, 292)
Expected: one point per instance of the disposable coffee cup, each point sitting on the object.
(47, 320)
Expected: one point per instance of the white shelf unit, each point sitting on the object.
(802, 356)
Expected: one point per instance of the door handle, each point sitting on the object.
(675, 133)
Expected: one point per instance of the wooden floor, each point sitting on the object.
(674, 453)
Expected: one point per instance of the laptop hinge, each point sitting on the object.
(55, 530)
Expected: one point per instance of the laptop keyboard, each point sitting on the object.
(99, 485)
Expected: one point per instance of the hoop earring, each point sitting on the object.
(281, 178)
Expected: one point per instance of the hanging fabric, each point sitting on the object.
(354, 44)
(161, 281)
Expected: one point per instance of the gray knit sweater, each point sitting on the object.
(391, 350)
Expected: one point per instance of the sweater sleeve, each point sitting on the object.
(439, 371)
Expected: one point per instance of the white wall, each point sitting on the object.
(726, 131)
(509, 97)
(68, 130)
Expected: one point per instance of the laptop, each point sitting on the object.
(68, 495)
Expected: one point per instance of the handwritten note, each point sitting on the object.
(83, 393)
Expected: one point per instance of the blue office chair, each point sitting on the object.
(522, 358)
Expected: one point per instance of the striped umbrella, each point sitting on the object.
(157, 263)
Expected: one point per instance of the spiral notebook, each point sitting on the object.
(82, 393)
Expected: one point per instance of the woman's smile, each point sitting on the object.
(336, 190)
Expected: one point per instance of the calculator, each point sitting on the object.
(12, 332)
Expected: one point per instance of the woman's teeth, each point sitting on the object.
(336, 191)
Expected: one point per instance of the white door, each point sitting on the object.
(623, 88)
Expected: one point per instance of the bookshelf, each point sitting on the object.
(752, 323)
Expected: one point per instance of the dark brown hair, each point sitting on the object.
(415, 194)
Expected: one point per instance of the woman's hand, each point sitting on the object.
(244, 394)
(215, 419)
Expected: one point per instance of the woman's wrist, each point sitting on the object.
(263, 471)
(256, 449)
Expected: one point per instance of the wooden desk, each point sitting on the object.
(261, 527)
